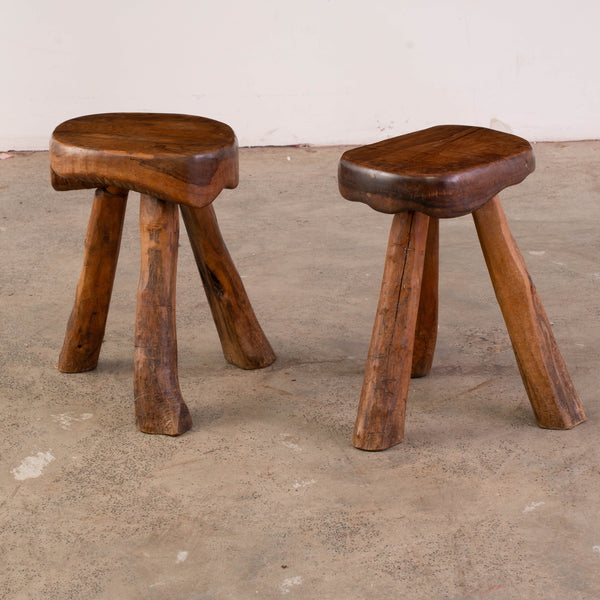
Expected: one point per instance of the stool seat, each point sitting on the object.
(444, 171)
(176, 158)
(176, 162)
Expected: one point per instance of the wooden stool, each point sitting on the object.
(171, 160)
(443, 172)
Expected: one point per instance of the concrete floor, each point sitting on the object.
(266, 497)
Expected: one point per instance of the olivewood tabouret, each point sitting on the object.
(442, 172)
(171, 160)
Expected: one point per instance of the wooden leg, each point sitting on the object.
(549, 387)
(243, 341)
(427, 319)
(85, 329)
(382, 407)
(159, 407)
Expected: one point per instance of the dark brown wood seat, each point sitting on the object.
(171, 160)
(176, 158)
(443, 172)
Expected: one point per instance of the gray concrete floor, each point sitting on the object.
(266, 497)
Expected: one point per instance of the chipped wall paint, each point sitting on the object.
(294, 72)
(32, 466)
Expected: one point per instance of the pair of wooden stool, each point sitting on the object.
(172, 160)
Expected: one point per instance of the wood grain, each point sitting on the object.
(159, 406)
(177, 158)
(427, 317)
(242, 339)
(548, 384)
(444, 171)
(87, 323)
(382, 406)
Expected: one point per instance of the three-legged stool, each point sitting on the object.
(443, 172)
(171, 160)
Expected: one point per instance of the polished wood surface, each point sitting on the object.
(242, 339)
(549, 387)
(444, 171)
(159, 406)
(177, 158)
(85, 329)
(382, 406)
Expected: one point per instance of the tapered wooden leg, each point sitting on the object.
(243, 341)
(549, 387)
(159, 407)
(382, 407)
(427, 319)
(85, 329)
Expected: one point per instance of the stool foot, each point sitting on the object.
(382, 407)
(85, 329)
(549, 387)
(159, 406)
(243, 341)
(427, 317)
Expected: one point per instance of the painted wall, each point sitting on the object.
(310, 71)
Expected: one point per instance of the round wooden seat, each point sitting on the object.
(173, 161)
(177, 158)
(444, 171)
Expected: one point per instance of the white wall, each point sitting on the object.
(304, 71)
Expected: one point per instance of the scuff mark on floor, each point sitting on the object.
(288, 443)
(32, 466)
(533, 506)
(65, 420)
(301, 484)
(289, 583)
